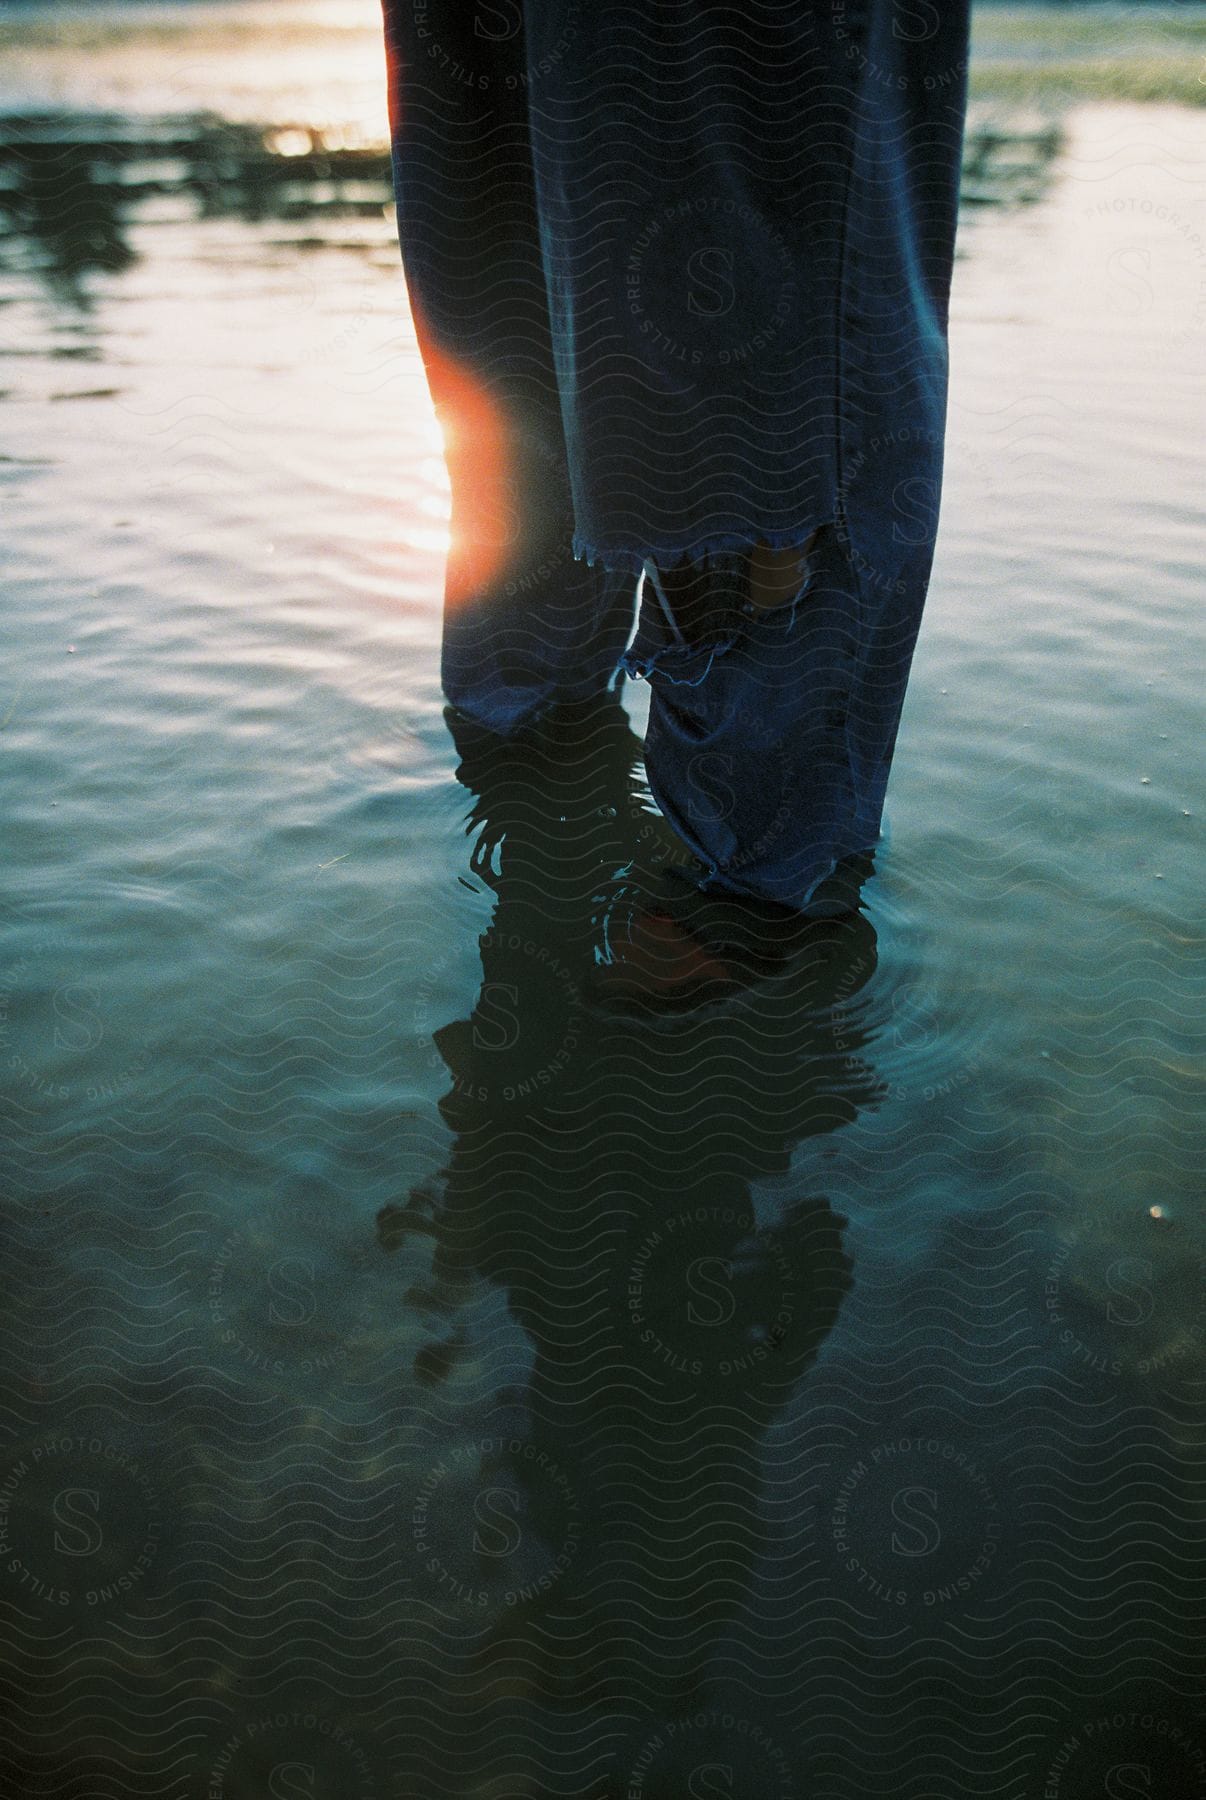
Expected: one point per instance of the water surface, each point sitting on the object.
(416, 1383)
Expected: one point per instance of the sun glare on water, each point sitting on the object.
(303, 64)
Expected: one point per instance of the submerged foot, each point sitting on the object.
(656, 963)
(675, 946)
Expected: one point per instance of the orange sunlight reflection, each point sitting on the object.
(485, 524)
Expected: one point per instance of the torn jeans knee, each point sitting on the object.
(685, 620)
(749, 748)
(692, 612)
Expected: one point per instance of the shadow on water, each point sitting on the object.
(71, 186)
(627, 1187)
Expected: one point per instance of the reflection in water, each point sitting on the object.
(590, 1539)
(71, 186)
(76, 220)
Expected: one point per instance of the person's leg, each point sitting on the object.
(524, 623)
(750, 325)
(771, 730)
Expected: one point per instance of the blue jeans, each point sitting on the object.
(679, 275)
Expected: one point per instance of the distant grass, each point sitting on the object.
(1141, 78)
(1043, 54)
(1076, 31)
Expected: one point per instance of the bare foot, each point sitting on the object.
(655, 962)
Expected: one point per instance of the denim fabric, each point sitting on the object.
(769, 749)
(680, 271)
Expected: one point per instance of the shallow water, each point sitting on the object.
(417, 1384)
